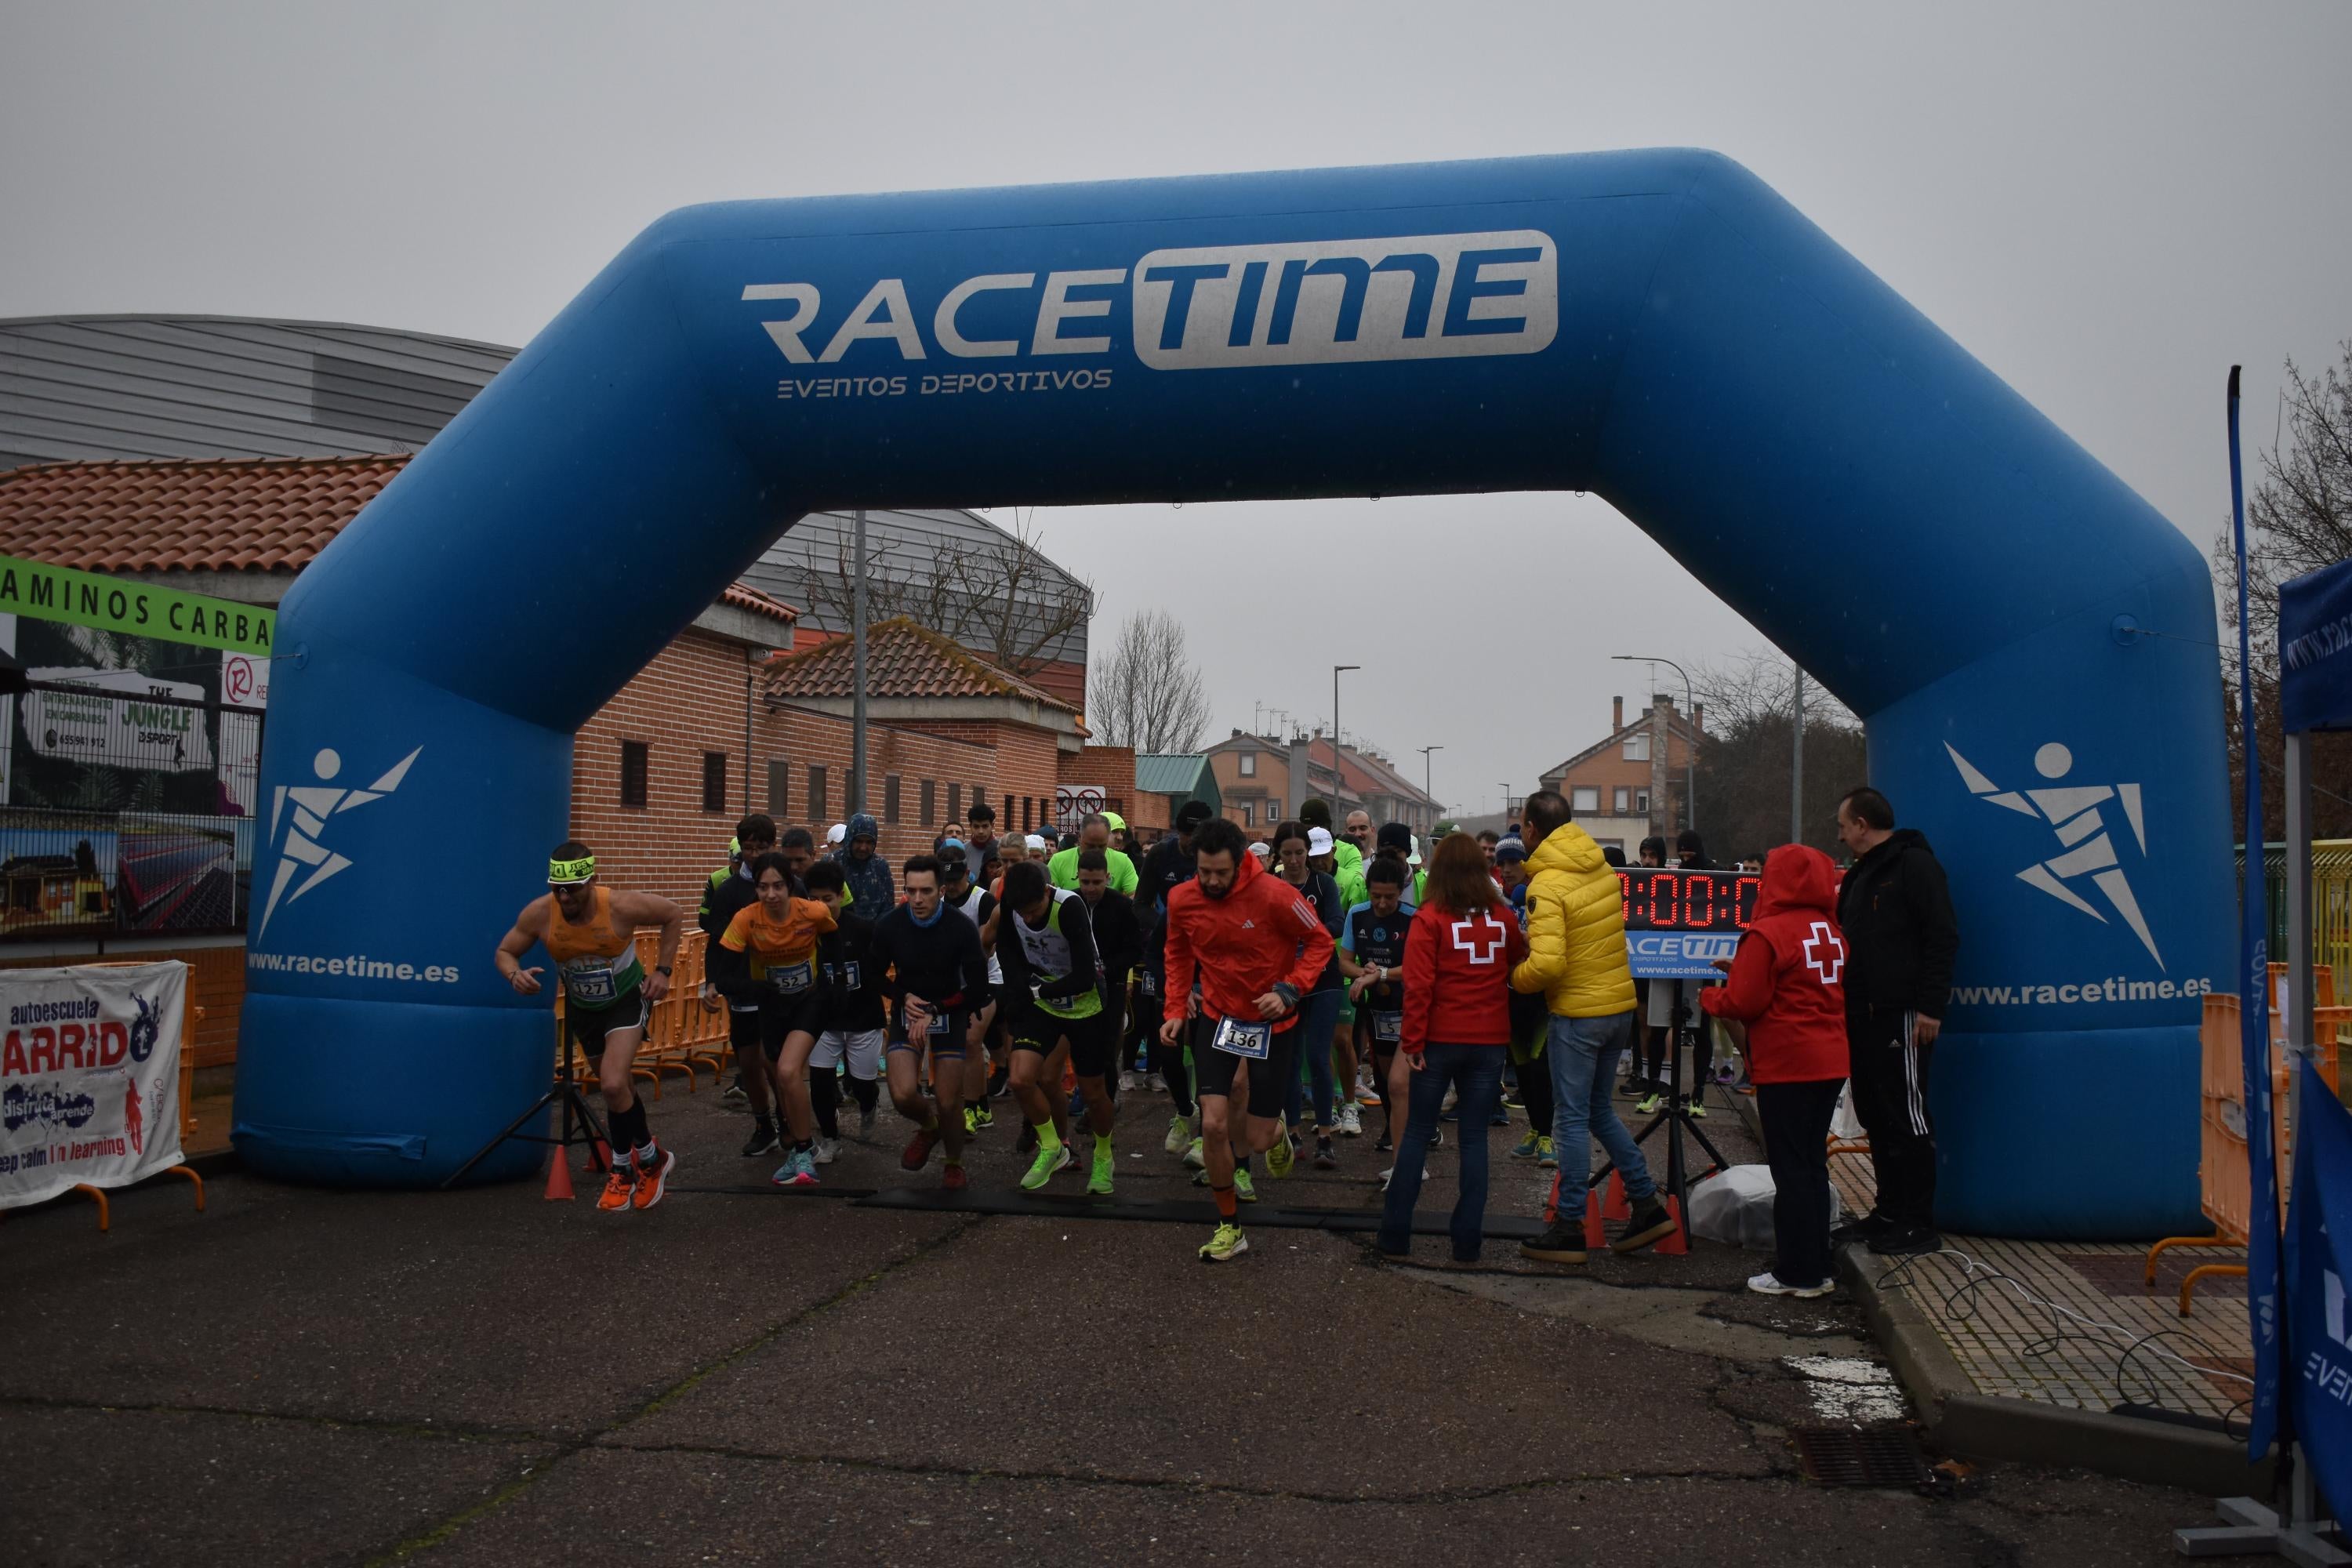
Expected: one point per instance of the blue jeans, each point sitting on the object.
(1477, 1072)
(1318, 1014)
(1583, 1055)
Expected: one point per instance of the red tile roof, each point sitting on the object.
(902, 659)
(261, 515)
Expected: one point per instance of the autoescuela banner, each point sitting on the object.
(89, 1077)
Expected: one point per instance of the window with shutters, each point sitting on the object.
(1623, 800)
(955, 802)
(1585, 800)
(780, 789)
(634, 760)
(889, 797)
(928, 797)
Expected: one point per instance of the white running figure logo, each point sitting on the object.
(2074, 813)
(313, 803)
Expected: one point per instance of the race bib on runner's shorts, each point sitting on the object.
(1236, 1038)
(939, 1024)
(1388, 1027)
(1151, 983)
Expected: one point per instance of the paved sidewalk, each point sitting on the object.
(2071, 1322)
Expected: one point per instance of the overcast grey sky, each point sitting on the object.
(2107, 205)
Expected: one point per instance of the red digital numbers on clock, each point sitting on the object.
(1670, 899)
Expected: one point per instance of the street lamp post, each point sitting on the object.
(1339, 779)
(1424, 769)
(1690, 753)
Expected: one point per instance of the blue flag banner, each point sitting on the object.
(2315, 650)
(2321, 1206)
(2268, 1422)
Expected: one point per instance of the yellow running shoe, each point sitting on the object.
(1279, 1154)
(1227, 1245)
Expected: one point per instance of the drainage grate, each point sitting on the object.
(1847, 1456)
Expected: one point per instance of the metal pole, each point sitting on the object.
(1425, 788)
(1797, 768)
(2299, 1031)
(857, 677)
(1339, 779)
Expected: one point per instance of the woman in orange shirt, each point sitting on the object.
(767, 954)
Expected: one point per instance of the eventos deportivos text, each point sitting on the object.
(357, 966)
(2115, 988)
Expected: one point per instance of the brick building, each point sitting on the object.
(1263, 780)
(1629, 784)
(946, 728)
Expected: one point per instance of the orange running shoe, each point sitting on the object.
(618, 1187)
(651, 1183)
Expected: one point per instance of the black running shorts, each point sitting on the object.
(589, 1025)
(947, 1038)
(1213, 1070)
(1092, 1049)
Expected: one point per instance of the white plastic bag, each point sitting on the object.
(1845, 1125)
(1735, 1207)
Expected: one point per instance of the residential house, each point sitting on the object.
(1629, 784)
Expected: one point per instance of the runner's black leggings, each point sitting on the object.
(1535, 1093)
(824, 1098)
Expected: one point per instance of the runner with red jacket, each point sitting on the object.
(1788, 986)
(1257, 946)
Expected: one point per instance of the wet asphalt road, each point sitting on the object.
(303, 1376)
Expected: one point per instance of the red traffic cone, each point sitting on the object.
(1678, 1244)
(1594, 1237)
(603, 1159)
(1616, 1207)
(559, 1176)
(1551, 1198)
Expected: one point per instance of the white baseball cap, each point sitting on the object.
(1318, 841)
(836, 833)
(1260, 848)
(1034, 842)
(1415, 858)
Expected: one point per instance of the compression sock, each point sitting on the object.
(824, 1098)
(1047, 1139)
(1227, 1204)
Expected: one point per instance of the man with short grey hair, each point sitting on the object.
(1094, 833)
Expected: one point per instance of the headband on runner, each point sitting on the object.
(570, 873)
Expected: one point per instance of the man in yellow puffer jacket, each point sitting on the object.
(1576, 959)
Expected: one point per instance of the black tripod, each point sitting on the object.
(563, 1091)
(1673, 1111)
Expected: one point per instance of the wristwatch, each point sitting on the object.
(661, 969)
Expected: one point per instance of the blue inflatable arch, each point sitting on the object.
(1657, 327)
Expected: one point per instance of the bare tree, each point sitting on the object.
(1001, 598)
(1744, 766)
(1149, 695)
(2298, 520)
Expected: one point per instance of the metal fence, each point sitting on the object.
(125, 809)
(2331, 903)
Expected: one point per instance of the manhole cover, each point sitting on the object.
(1846, 1457)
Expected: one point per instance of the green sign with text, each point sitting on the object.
(84, 599)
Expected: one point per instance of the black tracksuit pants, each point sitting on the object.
(1889, 1069)
(1796, 1118)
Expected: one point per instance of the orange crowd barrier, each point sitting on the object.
(2225, 1166)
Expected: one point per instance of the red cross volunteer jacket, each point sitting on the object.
(1457, 977)
(1788, 979)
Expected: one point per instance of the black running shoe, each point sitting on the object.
(1563, 1242)
(1325, 1158)
(1907, 1241)
(1650, 1223)
(763, 1140)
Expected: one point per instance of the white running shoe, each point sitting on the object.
(1179, 1135)
(1391, 1171)
(827, 1151)
(1768, 1284)
(1125, 1082)
(1351, 1120)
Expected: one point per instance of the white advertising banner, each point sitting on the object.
(122, 731)
(89, 1077)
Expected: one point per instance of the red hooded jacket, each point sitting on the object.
(1788, 979)
(1261, 934)
(1457, 976)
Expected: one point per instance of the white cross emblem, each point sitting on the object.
(1486, 942)
(1825, 952)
